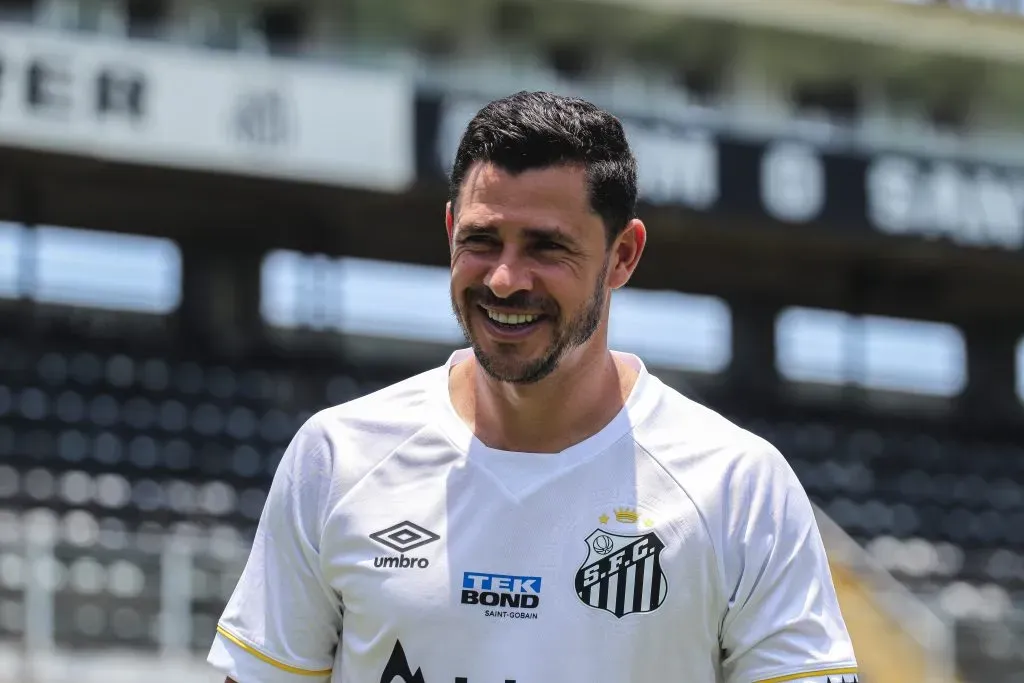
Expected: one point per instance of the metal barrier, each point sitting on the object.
(81, 613)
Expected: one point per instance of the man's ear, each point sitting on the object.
(449, 221)
(626, 252)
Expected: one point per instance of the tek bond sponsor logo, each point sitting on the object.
(502, 596)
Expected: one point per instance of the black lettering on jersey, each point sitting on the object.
(398, 667)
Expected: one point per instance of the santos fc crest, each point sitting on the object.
(622, 574)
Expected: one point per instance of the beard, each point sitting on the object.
(568, 334)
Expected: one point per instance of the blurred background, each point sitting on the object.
(221, 216)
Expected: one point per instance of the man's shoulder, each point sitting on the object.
(350, 439)
(733, 477)
(402, 407)
(338, 447)
(688, 437)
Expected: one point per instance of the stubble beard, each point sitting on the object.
(568, 336)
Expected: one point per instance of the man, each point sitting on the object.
(540, 509)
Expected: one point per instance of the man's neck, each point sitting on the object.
(565, 408)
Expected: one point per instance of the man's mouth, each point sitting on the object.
(512, 321)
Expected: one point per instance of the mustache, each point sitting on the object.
(520, 300)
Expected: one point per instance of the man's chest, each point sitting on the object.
(613, 559)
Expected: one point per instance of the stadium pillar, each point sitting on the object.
(753, 376)
(220, 307)
(990, 397)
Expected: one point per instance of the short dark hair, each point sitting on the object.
(532, 130)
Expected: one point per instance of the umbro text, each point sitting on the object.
(401, 562)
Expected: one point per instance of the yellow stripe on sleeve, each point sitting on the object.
(808, 674)
(266, 658)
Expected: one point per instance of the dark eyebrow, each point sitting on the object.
(473, 229)
(553, 234)
(537, 233)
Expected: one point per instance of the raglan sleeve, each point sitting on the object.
(283, 621)
(782, 621)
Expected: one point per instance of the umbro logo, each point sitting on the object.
(402, 538)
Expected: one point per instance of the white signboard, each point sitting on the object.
(187, 108)
(979, 207)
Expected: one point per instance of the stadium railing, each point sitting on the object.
(146, 611)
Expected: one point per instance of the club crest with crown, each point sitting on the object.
(622, 573)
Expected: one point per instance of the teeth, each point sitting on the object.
(513, 319)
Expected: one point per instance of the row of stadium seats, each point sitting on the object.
(139, 499)
(893, 450)
(140, 414)
(120, 374)
(914, 467)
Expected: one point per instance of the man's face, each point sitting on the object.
(529, 268)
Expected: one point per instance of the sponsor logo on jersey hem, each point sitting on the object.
(398, 669)
(402, 538)
(502, 596)
(816, 677)
(622, 573)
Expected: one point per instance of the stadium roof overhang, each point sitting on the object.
(936, 28)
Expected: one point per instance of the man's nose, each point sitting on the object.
(508, 277)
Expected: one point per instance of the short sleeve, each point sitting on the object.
(282, 622)
(783, 621)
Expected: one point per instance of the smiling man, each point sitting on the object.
(540, 508)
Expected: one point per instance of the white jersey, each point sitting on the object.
(396, 547)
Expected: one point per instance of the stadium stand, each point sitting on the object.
(109, 452)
